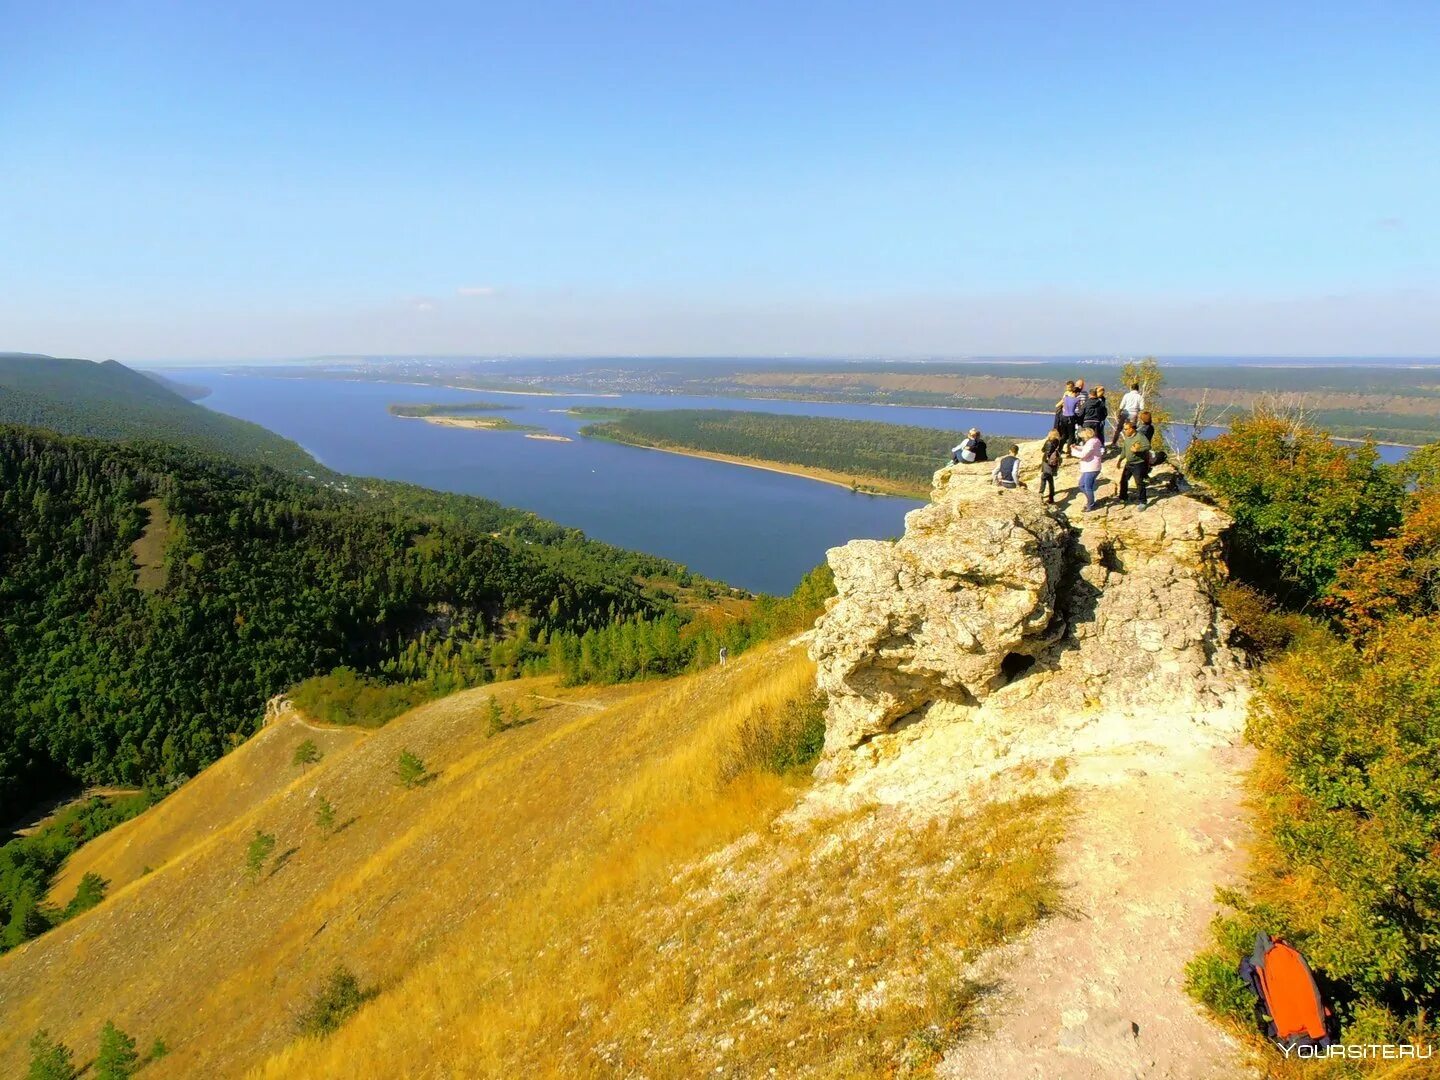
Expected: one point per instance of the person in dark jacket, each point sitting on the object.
(1096, 412)
(1052, 453)
(1145, 425)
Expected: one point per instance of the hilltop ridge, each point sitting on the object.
(108, 400)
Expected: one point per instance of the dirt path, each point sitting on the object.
(1098, 992)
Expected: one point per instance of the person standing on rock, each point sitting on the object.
(1007, 469)
(1051, 455)
(1096, 412)
(1091, 453)
(1131, 405)
(1066, 417)
(1145, 425)
(1134, 462)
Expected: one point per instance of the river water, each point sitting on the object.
(749, 527)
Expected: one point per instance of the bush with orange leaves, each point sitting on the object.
(1398, 576)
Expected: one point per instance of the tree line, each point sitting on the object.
(902, 453)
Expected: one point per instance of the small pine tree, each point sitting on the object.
(88, 893)
(306, 754)
(495, 720)
(117, 1059)
(49, 1059)
(514, 713)
(261, 845)
(410, 769)
(157, 1050)
(325, 815)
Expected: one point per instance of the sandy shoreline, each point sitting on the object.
(887, 488)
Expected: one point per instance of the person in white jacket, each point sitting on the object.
(1091, 453)
(1131, 405)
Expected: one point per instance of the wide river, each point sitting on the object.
(753, 528)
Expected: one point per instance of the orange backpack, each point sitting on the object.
(1288, 1005)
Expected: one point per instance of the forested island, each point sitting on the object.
(890, 459)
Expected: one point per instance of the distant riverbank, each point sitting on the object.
(865, 485)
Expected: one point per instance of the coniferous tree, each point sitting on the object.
(325, 815)
(410, 770)
(50, 1059)
(495, 717)
(261, 845)
(117, 1059)
(306, 754)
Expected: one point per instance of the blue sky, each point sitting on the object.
(188, 180)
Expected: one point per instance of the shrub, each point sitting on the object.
(49, 1059)
(781, 739)
(1213, 979)
(1262, 628)
(88, 893)
(117, 1059)
(1346, 862)
(1303, 505)
(346, 697)
(410, 770)
(1398, 576)
(1354, 741)
(261, 845)
(325, 815)
(333, 1003)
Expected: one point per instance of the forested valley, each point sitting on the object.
(378, 594)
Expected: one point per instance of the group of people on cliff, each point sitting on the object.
(1079, 432)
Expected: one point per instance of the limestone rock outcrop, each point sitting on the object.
(992, 596)
(972, 583)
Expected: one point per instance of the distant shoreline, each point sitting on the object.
(864, 485)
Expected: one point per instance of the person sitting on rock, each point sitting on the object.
(1051, 455)
(1091, 453)
(1007, 469)
(970, 450)
(1134, 462)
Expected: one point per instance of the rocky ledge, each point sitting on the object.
(993, 596)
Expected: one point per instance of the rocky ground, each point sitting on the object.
(1000, 647)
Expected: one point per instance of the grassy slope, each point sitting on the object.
(536, 908)
(108, 400)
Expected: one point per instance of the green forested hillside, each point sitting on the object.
(266, 580)
(108, 400)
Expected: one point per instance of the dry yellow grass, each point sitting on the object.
(605, 889)
(227, 790)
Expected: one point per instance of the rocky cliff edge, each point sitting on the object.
(994, 599)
